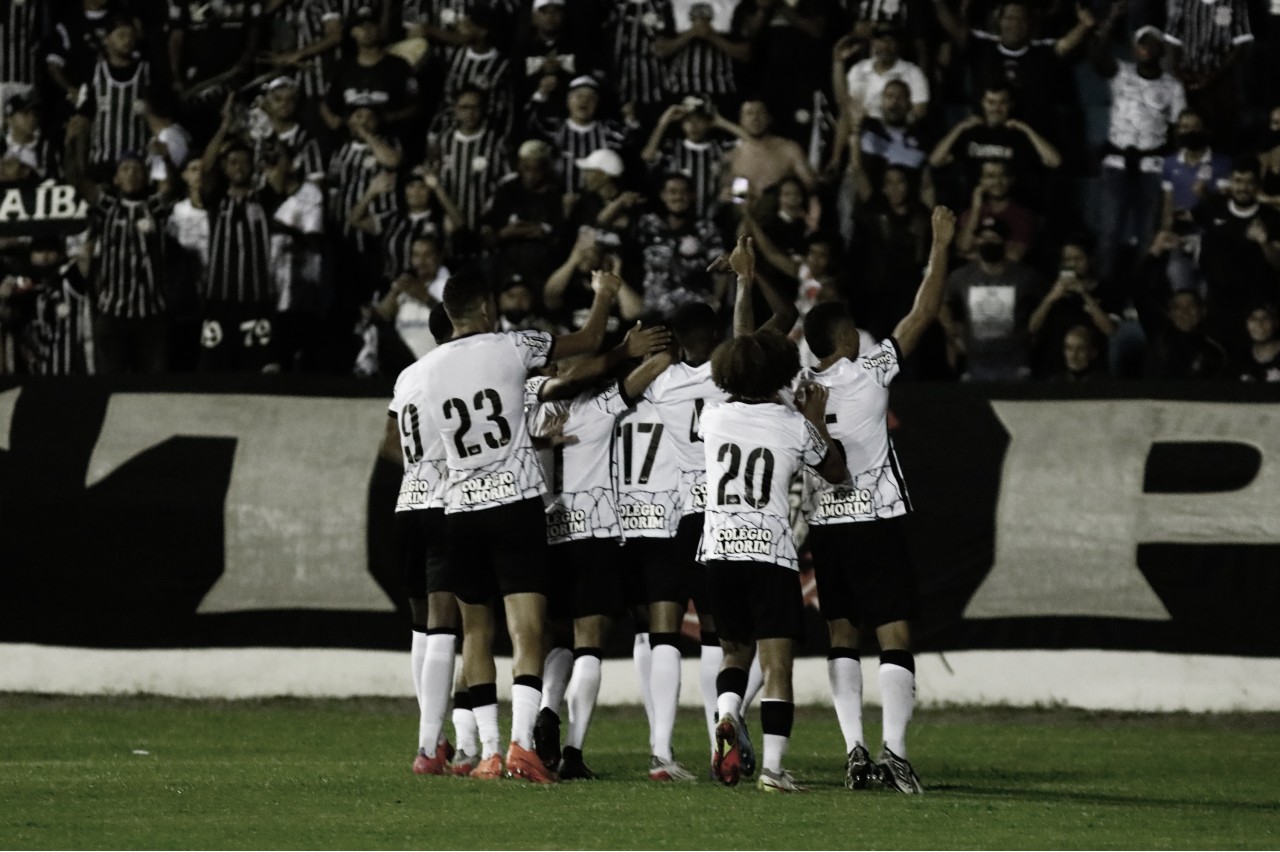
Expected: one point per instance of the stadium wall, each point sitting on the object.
(1105, 547)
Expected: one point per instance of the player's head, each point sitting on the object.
(697, 329)
(755, 366)
(131, 175)
(469, 301)
(440, 326)
(237, 163)
(829, 330)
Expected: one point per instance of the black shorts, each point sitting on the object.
(756, 600)
(863, 571)
(237, 338)
(420, 542)
(496, 552)
(687, 541)
(659, 565)
(586, 578)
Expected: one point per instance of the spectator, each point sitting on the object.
(761, 158)
(24, 140)
(1269, 160)
(701, 42)
(1180, 346)
(478, 62)
(352, 169)
(371, 77)
(75, 43)
(638, 74)
(1080, 361)
(568, 294)
(992, 199)
(1209, 40)
(423, 209)
(1240, 248)
(49, 311)
(602, 204)
(305, 36)
(525, 218)
(469, 156)
(119, 82)
(297, 261)
(698, 154)
(1262, 361)
(789, 34)
(22, 27)
(518, 307)
(987, 309)
(676, 248)
(169, 148)
(1076, 299)
(1144, 102)
(995, 135)
(1190, 174)
(913, 18)
(415, 293)
(548, 57)
(581, 133)
(892, 140)
(212, 47)
(283, 130)
(187, 264)
(866, 80)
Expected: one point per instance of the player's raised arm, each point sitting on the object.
(929, 297)
(638, 343)
(587, 339)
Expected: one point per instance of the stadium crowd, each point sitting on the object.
(287, 184)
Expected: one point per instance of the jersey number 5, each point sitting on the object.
(759, 461)
(457, 409)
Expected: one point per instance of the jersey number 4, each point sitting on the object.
(457, 409)
(759, 472)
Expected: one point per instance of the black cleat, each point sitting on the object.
(859, 771)
(896, 773)
(573, 767)
(546, 738)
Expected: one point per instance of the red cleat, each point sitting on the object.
(462, 764)
(423, 765)
(726, 763)
(523, 763)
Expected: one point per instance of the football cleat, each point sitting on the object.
(896, 773)
(779, 782)
(667, 770)
(727, 760)
(748, 750)
(489, 769)
(463, 763)
(546, 737)
(423, 765)
(444, 750)
(523, 763)
(573, 767)
(859, 771)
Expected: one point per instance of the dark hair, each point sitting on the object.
(236, 145)
(673, 175)
(755, 366)
(898, 81)
(472, 89)
(440, 326)
(996, 87)
(464, 293)
(1247, 163)
(434, 239)
(696, 327)
(822, 327)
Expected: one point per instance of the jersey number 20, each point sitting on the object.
(759, 467)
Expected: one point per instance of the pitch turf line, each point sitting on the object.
(333, 774)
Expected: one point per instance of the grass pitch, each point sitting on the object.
(289, 774)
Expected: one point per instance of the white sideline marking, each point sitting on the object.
(1095, 680)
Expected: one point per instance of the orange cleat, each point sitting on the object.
(524, 763)
(489, 769)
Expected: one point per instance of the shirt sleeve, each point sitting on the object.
(882, 362)
(918, 84)
(611, 401)
(534, 347)
(815, 448)
(532, 388)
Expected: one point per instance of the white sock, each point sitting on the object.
(555, 678)
(708, 668)
(524, 713)
(845, 676)
(755, 680)
(898, 695)
(729, 704)
(437, 684)
(584, 688)
(775, 749)
(666, 696)
(465, 731)
(643, 658)
(487, 727)
(417, 656)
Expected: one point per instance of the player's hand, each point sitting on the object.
(742, 260)
(645, 341)
(847, 47)
(1256, 232)
(382, 183)
(944, 225)
(605, 283)
(812, 399)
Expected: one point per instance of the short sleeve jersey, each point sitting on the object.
(679, 396)
(857, 408)
(478, 407)
(425, 465)
(752, 453)
(581, 493)
(649, 503)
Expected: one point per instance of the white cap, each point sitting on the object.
(534, 148)
(1146, 31)
(584, 80)
(280, 83)
(602, 160)
(538, 4)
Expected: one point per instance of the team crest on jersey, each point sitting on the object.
(1222, 16)
(145, 226)
(479, 164)
(690, 246)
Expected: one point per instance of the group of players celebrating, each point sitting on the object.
(574, 485)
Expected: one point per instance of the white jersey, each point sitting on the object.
(678, 397)
(649, 503)
(752, 453)
(478, 408)
(582, 501)
(425, 466)
(857, 407)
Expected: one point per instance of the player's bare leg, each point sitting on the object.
(526, 620)
(777, 712)
(584, 689)
(898, 695)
